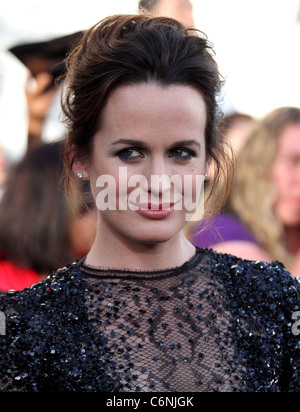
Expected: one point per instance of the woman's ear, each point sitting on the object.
(77, 163)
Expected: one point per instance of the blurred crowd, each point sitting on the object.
(40, 231)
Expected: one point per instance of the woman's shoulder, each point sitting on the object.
(248, 271)
(263, 303)
(43, 309)
(36, 323)
(46, 294)
(255, 281)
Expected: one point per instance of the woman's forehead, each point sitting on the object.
(140, 110)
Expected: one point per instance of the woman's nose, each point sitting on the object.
(158, 177)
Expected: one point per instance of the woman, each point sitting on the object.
(264, 205)
(146, 310)
(37, 223)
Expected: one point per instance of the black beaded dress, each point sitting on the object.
(217, 323)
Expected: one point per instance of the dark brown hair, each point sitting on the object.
(34, 212)
(139, 49)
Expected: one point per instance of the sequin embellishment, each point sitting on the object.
(217, 324)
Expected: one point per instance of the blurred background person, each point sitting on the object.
(3, 169)
(262, 217)
(236, 128)
(39, 232)
(45, 63)
(181, 10)
(39, 93)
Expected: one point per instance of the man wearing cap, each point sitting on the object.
(46, 63)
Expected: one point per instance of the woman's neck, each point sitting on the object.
(110, 250)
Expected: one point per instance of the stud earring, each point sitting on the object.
(80, 175)
(204, 177)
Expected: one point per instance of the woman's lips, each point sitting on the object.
(158, 211)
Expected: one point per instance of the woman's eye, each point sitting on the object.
(130, 154)
(182, 154)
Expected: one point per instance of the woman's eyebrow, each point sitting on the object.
(186, 143)
(142, 144)
(131, 142)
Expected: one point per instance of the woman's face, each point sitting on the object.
(286, 174)
(150, 136)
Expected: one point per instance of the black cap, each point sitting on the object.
(48, 55)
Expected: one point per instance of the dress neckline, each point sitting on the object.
(100, 272)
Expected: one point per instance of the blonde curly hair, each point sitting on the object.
(253, 193)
